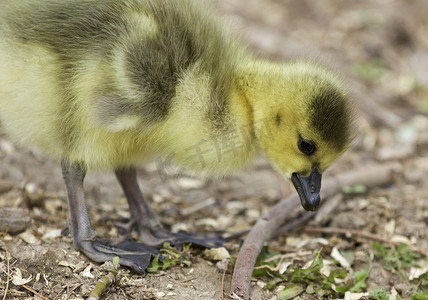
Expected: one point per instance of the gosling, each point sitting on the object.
(108, 84)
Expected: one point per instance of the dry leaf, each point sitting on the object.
(87, 272)
(340, 258)
(394, 294)
(326, 271)
(284, 266)
(17, 278)
(66, 264)
(160, 294)
(355, 296)
(401, 239)
(415, 273)
(312, 241)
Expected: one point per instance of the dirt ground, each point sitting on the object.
(381, 50)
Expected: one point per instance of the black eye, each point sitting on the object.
(306, 146)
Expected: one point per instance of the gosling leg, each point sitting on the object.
(131, 253)
(149, 228)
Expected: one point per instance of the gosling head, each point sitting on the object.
(302, 123)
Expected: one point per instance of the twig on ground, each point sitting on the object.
(374, 111)
(268, 224)
(230, 281)
(294, 223)
(327, 209)
(101, 286)
(198, 207)
(8, 274)
(67, 288)
(260, 232)
(222, 282)
(329, 205)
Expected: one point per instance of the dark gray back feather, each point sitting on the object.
(78, 29)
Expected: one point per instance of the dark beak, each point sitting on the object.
(308, 189)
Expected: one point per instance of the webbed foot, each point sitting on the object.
(158, 235)
(147, 224)
(131, 253)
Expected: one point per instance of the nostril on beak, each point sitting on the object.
(312, 188)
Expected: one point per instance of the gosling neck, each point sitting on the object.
(263, 85)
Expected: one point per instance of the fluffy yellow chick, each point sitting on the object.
(107, 84)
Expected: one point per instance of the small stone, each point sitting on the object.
(217, 253)
(222, 265)
(28, 237)
(190, 183)
(14, 220)
(52, 234)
